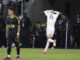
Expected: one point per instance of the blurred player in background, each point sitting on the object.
(50, 29)
(12, 33)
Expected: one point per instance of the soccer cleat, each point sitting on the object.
(44, 52)
(7, 58)
(54, 44)
(17, 58)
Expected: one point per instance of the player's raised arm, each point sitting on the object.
(57, 12)
(46, 12)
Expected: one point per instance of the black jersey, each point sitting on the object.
(12, 23)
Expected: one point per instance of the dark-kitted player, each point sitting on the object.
(12, 33)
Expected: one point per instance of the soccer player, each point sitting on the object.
(50, 29)
(12, 33)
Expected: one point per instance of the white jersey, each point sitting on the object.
(51, 20)
(51, 17)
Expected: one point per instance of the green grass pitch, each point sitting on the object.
(36, 54)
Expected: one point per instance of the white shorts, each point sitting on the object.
(50, 31)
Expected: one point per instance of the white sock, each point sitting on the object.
(9, 56)
(51, 40)
(47, 46)
(17, 55)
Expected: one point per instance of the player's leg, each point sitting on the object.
(9, 50)
(48, 43)
(18, 50)
(9, 42)
(50, 34)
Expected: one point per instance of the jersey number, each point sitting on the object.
(51, 17)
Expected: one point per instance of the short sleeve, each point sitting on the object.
(56, 14)
(18, 20)
(7, 21)
(47, 12)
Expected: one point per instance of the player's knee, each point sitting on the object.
(48, 36)
(48, 40)
(9, 45)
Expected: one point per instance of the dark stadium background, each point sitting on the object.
(35, 9)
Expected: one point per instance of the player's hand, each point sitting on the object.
(17, 37)
(6, 35)
(18, 34)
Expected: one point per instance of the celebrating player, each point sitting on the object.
(12, 33)
(50, 29)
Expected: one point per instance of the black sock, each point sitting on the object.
(9, 50)
(18, 50)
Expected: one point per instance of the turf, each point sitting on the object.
(36, 54)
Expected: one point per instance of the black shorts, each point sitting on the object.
(12, 38)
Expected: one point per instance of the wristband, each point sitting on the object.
(18, 33)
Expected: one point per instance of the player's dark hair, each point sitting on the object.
(10, 8)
